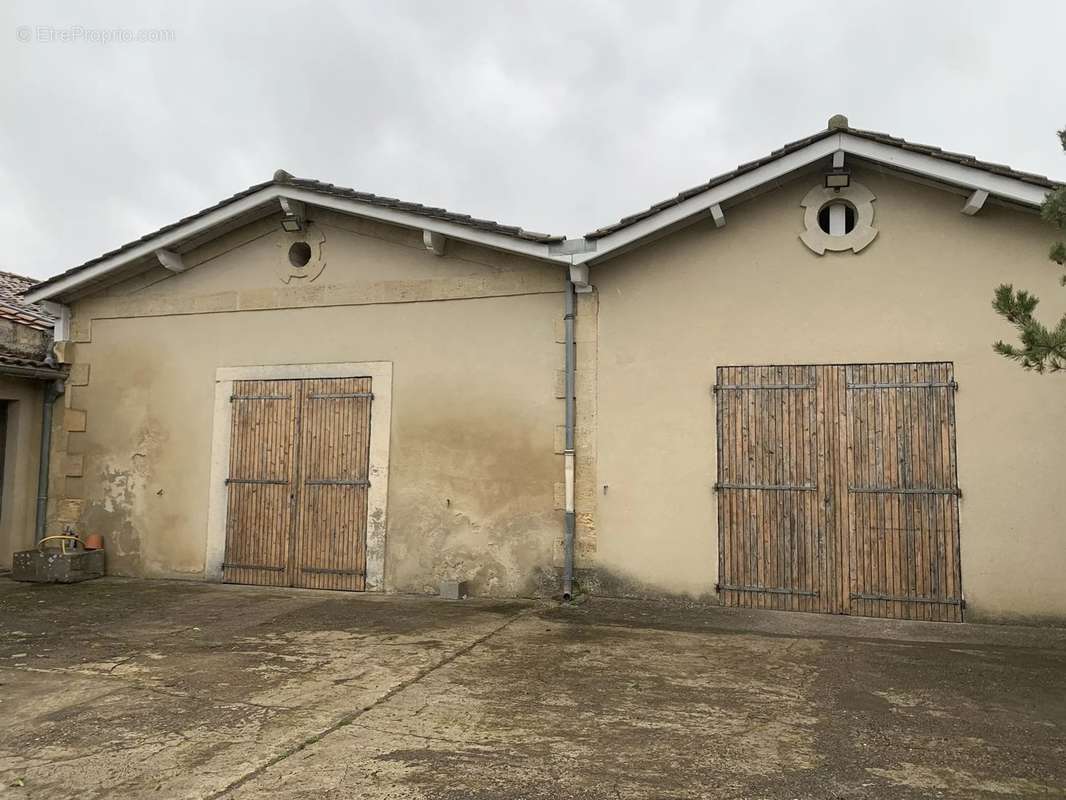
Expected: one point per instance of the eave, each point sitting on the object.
(964, 178)
(263, 202)
(979, 181)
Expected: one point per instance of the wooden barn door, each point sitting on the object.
(777, 488)
(903, 492)
(837, 490)
(297, 485)
(261, 482)
(334, 478)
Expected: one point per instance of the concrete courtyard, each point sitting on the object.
(141, 689)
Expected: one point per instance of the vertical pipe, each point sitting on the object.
(568, 452)
(52, 391)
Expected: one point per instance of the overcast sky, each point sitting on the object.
(558, 117)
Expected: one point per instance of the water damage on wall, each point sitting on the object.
(119, 510)
(606, 582)
(499, 554)
(471, 502)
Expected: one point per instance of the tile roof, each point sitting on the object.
(21, 361)
(15, 308)
(883, 138)
(283, 178)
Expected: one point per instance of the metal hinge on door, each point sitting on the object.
(723, 587)
(228, 565)
(783, 487)
(341, 396)
(322, 571)
(929, 385)
(897, 598)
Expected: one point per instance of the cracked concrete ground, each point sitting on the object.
(133, 689)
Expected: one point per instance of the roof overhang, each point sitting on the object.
(270, 198)
(762, 175)
(32, 373)
(692, 209)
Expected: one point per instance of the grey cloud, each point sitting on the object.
(559, 117)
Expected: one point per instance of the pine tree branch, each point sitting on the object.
(1040, 349)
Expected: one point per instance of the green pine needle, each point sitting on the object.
(1040, 349)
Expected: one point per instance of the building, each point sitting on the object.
(28, 390)
(776, 390)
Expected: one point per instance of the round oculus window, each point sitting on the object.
(299, 254)
(837, 218)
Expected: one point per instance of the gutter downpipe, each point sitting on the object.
(52, 392)
(568, 451)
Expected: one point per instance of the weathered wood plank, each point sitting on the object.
(260, 470)
(297, 507)
(837, 489)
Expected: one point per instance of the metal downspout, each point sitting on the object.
(52, 392)
(568, 452)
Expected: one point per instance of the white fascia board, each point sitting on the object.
(163, 241)
(937, 169)
(450, 230)
(702, 203)
(974, 178)
(272, 195)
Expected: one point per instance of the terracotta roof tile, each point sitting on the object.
(10, 358)
(15, 308)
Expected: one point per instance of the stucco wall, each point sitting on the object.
(751, 293)
(471, 338)
(22, 450)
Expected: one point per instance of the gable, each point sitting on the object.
(837, 147)
(925, 249)
(366, 264)
(293, 196)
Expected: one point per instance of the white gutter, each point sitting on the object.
(970, 178)
(163, 241)
(577, 252)
(450, 230)
(702, 203)
(1001, 186)
(272, 195)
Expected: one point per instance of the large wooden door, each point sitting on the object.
(297, 485)
(837, 489)
(261, 482)
(334, 478)
(903, 492)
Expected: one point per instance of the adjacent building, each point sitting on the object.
(28, 392)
